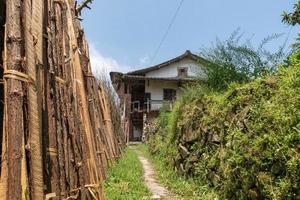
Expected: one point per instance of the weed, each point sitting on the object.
(185, 188)
(125, 179)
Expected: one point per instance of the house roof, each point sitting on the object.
(187, 54)
(140, 74)
(137, 77)
(117, 76)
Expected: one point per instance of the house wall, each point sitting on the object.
(193, 67)
(155, 87)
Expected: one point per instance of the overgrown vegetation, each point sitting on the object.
(292, 18)
(244, 143)
(185, 188)
(237, 61)
(125, 179)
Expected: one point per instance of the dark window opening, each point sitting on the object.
(137, 91)
(182, 71)
(147, 96)
(126, 88)
(148, 100)
(169, 94)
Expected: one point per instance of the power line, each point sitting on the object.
(168, 30)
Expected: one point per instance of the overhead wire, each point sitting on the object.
(167, 31)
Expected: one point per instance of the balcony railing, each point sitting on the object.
(151, 105)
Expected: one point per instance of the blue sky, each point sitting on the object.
(124, 34)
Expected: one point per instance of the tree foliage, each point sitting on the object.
(235, 61)
(292, 18)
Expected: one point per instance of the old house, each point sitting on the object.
(144, 92)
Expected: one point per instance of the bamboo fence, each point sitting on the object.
(59, 134)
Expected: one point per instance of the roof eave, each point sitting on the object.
(156, 67)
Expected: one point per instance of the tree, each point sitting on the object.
(294, 17)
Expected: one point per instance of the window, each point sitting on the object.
(126, 88)
(147, 96)
(169, 94)
(182, 71)
(147, 100)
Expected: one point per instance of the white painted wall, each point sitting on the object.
(193, 67)
(155, 87)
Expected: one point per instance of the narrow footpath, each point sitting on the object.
(158, 191)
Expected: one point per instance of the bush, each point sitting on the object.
(246, 142)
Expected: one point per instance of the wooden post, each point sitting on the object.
(50, 139)
(15, 92)
(58, 134)
(82, 101)
(34, 57)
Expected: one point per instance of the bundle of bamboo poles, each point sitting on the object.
(58, 137)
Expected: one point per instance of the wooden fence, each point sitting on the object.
(58, 136)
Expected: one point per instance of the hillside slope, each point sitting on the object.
(244, 143)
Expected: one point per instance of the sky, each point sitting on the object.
(124, 34)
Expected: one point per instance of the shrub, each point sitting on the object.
(245, 142)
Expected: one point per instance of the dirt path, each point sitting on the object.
(158, 191)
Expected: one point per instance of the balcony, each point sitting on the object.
(151, 105)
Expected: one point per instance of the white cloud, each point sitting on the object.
(144, 60)
(101, 64)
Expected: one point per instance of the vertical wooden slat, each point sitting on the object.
(4, 171)
(44, 40)
(50, 129)
(33, 52)
(79, 81)
(14, 99)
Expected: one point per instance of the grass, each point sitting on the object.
(125, 179)
(186, 188)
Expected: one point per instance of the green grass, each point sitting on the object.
(125, 179)
(187, 189)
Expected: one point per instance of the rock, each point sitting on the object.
(180, 170)
(183, 151)
(155, 196)
(193, 158)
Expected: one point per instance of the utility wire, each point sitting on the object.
(168, 30)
